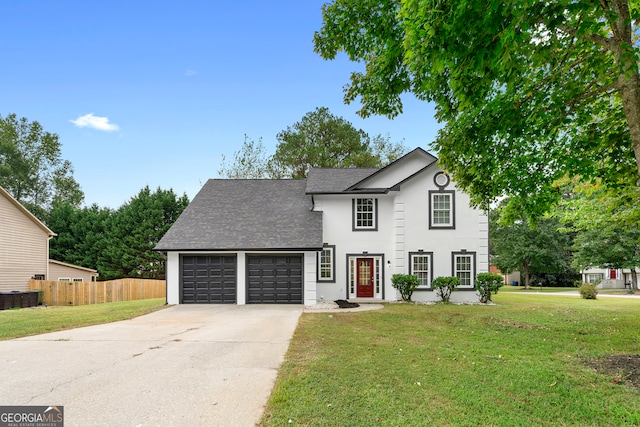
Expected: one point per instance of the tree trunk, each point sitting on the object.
(628, 83)
(629, 88)
(525, 270)
(634, 279)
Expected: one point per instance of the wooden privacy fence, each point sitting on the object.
(82, 293)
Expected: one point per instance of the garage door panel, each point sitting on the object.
(275, 279)
(209, 279)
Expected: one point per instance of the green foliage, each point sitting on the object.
(519, 245)
(319, 139)
(606, 224)
(82, 233)
(488, 284)
(116, 243)
(250, 162)
(405, 284)
(134, 230)
(529, 91)
(588, 291)
(444, 286)
(31, 168)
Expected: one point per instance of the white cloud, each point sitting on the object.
(95, 122)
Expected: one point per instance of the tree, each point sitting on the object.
(518, 245)
(134, 230)
(608, 248)
(606, 223)
(31, 168)
(319, 139)
(82, 233)
(529, 91)
(250, 162)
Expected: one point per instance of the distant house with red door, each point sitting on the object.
(608, 277)
(338, 234)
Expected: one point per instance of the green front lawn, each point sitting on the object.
(526, 361)
(16, 323)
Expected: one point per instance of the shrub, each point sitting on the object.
(488, 284)
(405, 284)
(444, 285)
(588, 291)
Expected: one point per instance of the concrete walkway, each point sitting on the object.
(186, 365)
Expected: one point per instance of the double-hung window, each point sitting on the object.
(441, 209)
(365, 212)
(464, 268)
(421, 266)
(326, 264)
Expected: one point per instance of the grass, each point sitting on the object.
(521, 362)
(32, 321)
(550, 289)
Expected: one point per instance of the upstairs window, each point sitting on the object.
(365, 212)
(441, 209)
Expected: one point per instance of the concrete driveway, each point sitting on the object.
(186, 365)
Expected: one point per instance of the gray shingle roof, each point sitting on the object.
(230, 214)
(327, 180)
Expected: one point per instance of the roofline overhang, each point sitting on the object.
(24, 210)
(308, 249)
(416, 150)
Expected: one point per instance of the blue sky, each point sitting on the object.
(155, 92)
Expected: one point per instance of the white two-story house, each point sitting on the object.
(339, 234)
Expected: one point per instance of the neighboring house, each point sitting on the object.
(608, 277)
(24, 245)
(62, 271)
(510, 278)
(24, 249)
(339, 234)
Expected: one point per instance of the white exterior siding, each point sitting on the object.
(24, 246)
(403, 227)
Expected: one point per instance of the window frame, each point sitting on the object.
(319, 278)
(430, 272)
(354, 215)
(451, 225)
(473, 267)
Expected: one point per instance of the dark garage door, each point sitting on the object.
(275, 279)
(209, 279)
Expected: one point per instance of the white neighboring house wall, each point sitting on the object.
(611, 278)
(402, 228)
(24, 245)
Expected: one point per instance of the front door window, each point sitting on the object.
(364, 276)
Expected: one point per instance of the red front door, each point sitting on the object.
(364, 274)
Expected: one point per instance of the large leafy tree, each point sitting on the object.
(606, 223)
(529, 90)
(608, 248)
(321, 139)
(519, 245)
(31, 167)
